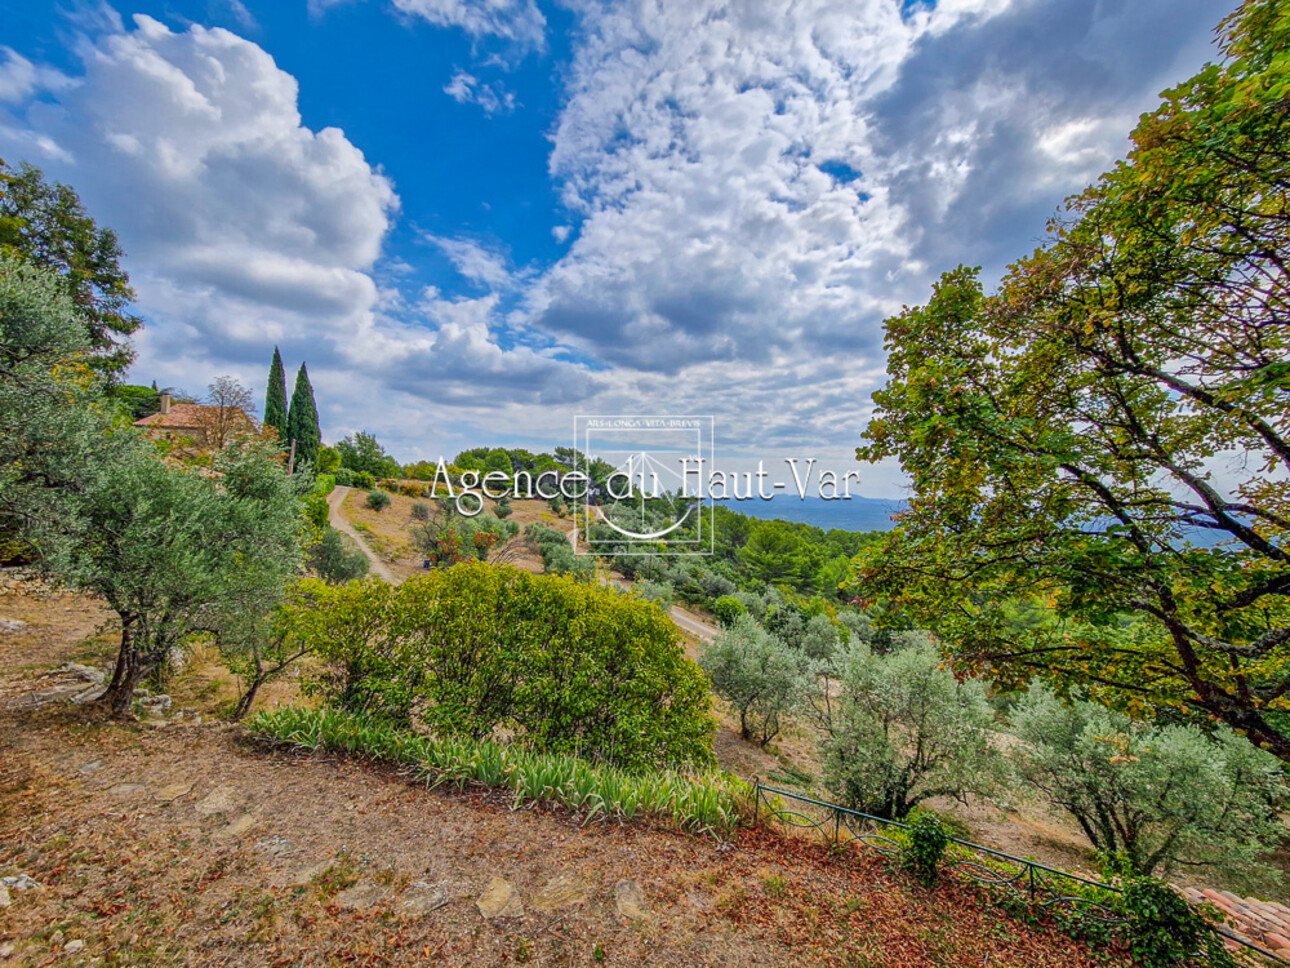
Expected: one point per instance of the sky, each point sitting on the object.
(477, 219)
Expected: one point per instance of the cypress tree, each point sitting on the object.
(275, 399)
(302, 420)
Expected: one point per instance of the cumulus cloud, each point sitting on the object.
(20, 78)
(245, 228)
(467, 89)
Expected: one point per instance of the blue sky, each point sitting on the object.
(477, 218)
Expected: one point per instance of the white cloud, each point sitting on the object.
(475, 262)
(467, 89)
(518, 21)
(20, 78)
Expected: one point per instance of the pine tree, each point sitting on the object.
(275, 399)
(302, 420)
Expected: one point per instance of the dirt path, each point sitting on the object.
(334, 501)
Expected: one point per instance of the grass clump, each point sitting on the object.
(711, 803)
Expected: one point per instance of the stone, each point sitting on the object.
(237, 828)
(73, 946)
(630, 901)
(12, 625)
(422, 898)
(277, 846)
(223, 799)
(154, 705)
(57, 936)
(360, 897)
(499, 900)
(83, 672)
(6, 951)
(93, 766)
(699, 901)
(562, 891)
(21, 882)
(92, 694)
(125, 789)
(174, 791)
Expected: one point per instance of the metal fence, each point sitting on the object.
(1024, 880)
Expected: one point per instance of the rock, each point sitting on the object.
(237, 828)
(92, 694)
(360, 897)
(154, 705)
(562, 891)
(276, 846)
(125, 789)
(21, 883)
(699, 901)
(6, 951)
(57, 936)
(422, 898)
(93, 766)
(12, 625)
(630, 901)
(73, 946)
(499, 900)
(5, 900)
(82, 672)
(223, 799)
(174, 791)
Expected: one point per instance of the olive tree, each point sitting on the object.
(1158, 795)
(904, 729)
(760, 676)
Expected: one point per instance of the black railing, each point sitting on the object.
(1025, 880)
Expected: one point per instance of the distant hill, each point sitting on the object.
(856, 514)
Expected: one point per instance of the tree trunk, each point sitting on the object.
(244, 704)
(129, 670)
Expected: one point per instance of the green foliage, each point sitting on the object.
(1061, 435)
(363, 452)
(502, 509)
(558, 557)
(361, 479)
(275, 399)
(317, 511)
(420, 511)
(925, 839)
(458, 538)
(45, 225)
(333, 560)
(328, 460)
(174, 551)
(136, 402)
(1164, 931)
(727, 608)
(761, 677)
(1159, 795)
(659, 593)
(302, 419)
(904, 729)
(377, 500)
(562, 665)
(711, 803)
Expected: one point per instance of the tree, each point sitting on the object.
(363, 452)
(174, 552)
(1159, 796)
(275, 399)
(228, 410)
(1067, 438)
(302, 419)
(334, 561)
(760, 676)
(904, 730)
(46, 225)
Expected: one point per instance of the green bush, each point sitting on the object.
(1164, 931)
(561, 665)
(378, 500)
(727, 608)
(421, 511)
(709, 803)
(316, 509)
(659, 593)
(925, 840)
(503, 509)
(324, 484)
(761, 677)
(333, 560)
(362, 479)
(459, 538)
(344, 477)
(558, 557)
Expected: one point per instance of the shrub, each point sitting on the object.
(708, 803)
(563, 666)
(462, 539)
(317, 512)
(344, 477)
(761, 677)
(1158, 795)
(421, 511)
(324, 484)
(558, 557)
(727, 608)
(1164, 931)
(658, 592)
(378, 500)
(925, 840)
(363, 479)
(904, 729)
(503, 509)
(334, 561)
